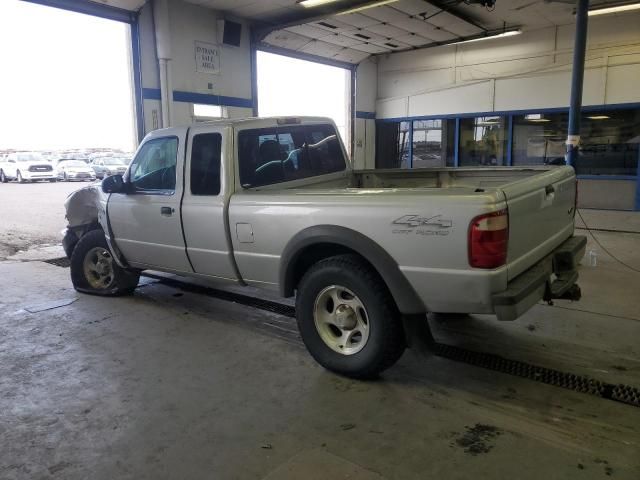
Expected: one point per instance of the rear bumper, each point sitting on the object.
(554, 277)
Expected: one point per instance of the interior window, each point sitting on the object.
(154, 168)
(274, 155)
(205, 164)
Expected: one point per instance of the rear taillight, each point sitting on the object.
(488, 236)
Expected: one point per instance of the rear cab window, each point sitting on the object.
(281, 154)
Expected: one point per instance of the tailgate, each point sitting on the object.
(541, 211)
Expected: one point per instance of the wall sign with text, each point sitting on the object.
(207, 57)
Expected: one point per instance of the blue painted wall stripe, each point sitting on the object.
(638, 183)
(151, 93)
(137, 79)
(366, 115)
(586, 108)
(456, 144)
(510, 140)
(607, 177)
(203, 98)
(208, 99)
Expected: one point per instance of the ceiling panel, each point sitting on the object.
(415, 7)
(425, 29)
(285, 39)
(414, 40)
(309, 31)
(341, 40)
(453, 24)
(386, 30)
(350, 55)
(371, 48)
(324, 49)
(358, 20)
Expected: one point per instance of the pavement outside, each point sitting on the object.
(171, 384)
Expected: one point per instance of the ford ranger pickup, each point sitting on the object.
(275, 203)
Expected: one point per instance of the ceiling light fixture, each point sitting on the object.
(598, 117)
(489, 36)
(615, 9)
(314, 3)
(367, 6)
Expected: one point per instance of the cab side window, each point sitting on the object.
(205, 164)
(154, 168)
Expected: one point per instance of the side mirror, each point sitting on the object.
(113, 184)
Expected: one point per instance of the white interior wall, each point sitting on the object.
(364, 132)
(188, 23)
(531, 70)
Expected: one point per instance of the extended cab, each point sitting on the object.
(275, 203)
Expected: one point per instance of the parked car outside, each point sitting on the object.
(27, 167)
(107, 166)
(69, 170)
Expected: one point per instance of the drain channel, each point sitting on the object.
(578, 383)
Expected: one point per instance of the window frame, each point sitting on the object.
(132, 189)
(220, 165)
(275, 127)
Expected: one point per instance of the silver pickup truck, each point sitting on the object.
(274, 203)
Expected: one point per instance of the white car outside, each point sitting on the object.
(69, 170)
(25, 167)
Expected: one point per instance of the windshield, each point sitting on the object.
(74, 163)
(29, 157)
(115, 161)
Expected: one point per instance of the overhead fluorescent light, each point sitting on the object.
(615, 9)
(490, 36)
(314, 3)
(367, 6)
(598, 117)
(536, 117)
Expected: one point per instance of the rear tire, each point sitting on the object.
(347, 318)
(94, 271)
(3, 177)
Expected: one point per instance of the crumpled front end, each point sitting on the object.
(86, 211)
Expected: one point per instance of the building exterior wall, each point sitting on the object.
(512, 76)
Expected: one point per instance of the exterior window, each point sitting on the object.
(433, 142)
(274, 155)
(539, 139)
(154, 168)
(610, 142)
(205, 164)
(392, 144)
(482, 141)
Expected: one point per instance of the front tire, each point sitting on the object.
(94, 271)
(3, 177)
(347, 318)
(19, 177)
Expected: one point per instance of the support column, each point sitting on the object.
(577, 80)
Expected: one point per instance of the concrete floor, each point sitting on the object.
(167, 384)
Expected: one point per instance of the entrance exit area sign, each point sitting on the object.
(207, 57)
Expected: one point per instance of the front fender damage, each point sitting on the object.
(86, 210)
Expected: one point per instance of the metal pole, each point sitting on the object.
(579, 53)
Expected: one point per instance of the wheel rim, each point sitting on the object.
(341, 320)
(98, 268)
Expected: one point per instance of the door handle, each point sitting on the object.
(549, 189)
(166, 211)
